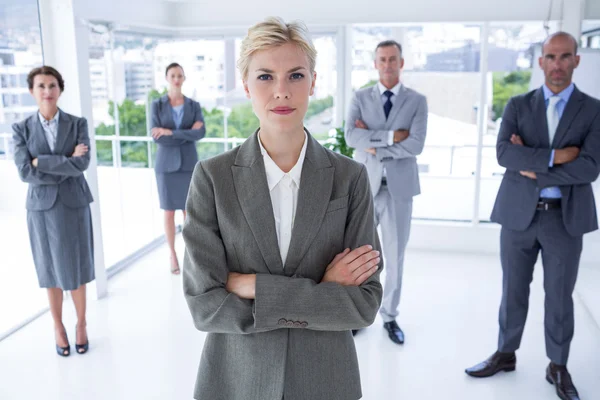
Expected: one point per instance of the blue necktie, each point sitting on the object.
(388, 104)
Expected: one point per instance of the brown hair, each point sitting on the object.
(173, 65)
(45, 70)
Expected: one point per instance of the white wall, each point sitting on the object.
(481, 239)
(592, 9)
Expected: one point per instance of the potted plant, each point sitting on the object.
(337, 142)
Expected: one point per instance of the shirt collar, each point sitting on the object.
(395, 89)
(53, 120)
(274, 173)
(565, 95)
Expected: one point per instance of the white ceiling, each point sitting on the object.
(243, 13)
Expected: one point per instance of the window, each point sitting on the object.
(441, 61)
(510, 65)
(20, 296)
(122, 79)
(320, 116)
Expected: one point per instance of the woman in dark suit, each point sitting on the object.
(177, 123)
(51, 153)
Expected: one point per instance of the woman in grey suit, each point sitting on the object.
(268, 269)
(51, 153)
(177, 123)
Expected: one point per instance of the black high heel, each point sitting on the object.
(61, 350)
(79, 347)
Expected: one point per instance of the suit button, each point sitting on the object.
(282, 321)
(304, 324)
(297, 324)
(289, 324)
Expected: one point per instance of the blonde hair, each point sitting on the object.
(273, 32)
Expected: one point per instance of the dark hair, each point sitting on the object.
(173, 65)
(388, 43)
(562, 34)
(45, 70)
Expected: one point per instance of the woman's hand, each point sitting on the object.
(158, 132)
(34, 162)
(198, 125)
(80, 150)
(244, 285)
(352, 268)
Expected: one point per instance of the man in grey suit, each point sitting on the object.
(549, 143)
(386, 125)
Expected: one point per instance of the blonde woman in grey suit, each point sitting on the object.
(51, 153)
(177, 123)
(282, 256)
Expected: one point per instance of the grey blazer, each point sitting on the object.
(409, 111)
(177, 152)
(525, 115)
(293, 340)
(58, 175)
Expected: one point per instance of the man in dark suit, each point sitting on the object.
(549, 143)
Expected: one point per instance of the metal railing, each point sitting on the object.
(119, 159)
(117, 142)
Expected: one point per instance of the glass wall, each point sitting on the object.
(320, 117)
(128, 71)
(122, 77)
(590, 34)
(442, 61)
(20, 51)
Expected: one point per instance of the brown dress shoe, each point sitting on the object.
(558, 376)
(497, 362)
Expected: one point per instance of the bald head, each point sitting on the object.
(560, 37)
(559, 59)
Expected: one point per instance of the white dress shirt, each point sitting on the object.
(50, 129)
(283, 188)
(395, 90)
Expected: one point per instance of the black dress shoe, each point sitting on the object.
(394, 332)
(558, 376)
(497, 362)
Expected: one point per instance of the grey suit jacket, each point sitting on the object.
(525, 115)
(409, 111)
(58, 175)
(294, 339)
(177, 152)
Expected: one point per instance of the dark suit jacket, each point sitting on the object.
(58, 175)
(177, 152)
(579, 126)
